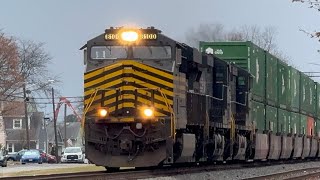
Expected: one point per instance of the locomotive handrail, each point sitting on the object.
(92, 96)
(216, 98)
(86, 109)
(232, 128)
(242, 104)
(172, 116)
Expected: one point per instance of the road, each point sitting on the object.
(18, 168)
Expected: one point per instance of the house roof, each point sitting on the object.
(73, 130)
(51, 134)
(34, 131)
(20, 135)
(15, 108)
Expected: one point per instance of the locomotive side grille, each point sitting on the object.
(126, 84)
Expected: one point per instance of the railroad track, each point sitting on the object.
(130, 174)
(160, 172)
(299, 174)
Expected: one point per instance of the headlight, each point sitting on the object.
(129, 36)
(80, 156)
(148, 112)
(103, 112)
(139, 126)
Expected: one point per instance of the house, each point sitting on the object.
(47, 138)
(73, 136)
(13, 114)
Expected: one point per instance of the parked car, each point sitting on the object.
(51, 159)
(73, 154)
(3, 158)
(16, 156)
(42, 154)
(31, 156)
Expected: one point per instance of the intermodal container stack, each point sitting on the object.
(284, 100)
(247, 56)
(295, 89)
(271, 80)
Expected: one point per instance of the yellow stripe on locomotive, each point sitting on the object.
(129, 86)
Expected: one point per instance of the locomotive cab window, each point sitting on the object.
(139, 52)
(241, 81)
(152, 52)
(108, 52)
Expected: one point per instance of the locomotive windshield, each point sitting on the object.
(108, 52)
(152, 52)
(138, 52)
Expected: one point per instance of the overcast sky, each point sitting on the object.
(66, 25)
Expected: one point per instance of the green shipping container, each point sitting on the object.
(246, 55)
(271, 79)
(303, 123)
(283, 85)
(307, 98)
(283, 121)
(317, 127)
(312, 104)
(258, 115)
(295, 123)
(271, 119)
(304, 93)
(295, 89)
(318, 101)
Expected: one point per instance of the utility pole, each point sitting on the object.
(45, 128)
(65, 125)
(55, 127)
(26, 115)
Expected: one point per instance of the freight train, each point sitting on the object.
(150, 100)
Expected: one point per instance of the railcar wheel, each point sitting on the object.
(112, 169)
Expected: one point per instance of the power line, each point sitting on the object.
(30, 102)
(68, 97)
(51, 102)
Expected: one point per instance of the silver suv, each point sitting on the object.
(73, 154)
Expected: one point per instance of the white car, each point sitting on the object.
(73, 154)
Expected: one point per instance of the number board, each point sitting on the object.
(112, 35)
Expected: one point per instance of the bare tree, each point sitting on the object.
(314, 4)
(33, 66)
(9, 67)
(23, 62)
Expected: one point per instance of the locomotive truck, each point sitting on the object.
(150, 100)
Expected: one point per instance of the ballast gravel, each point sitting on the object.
(241, 173)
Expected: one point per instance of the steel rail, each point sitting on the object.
(293, 174)
(162, 171)
(129, 174)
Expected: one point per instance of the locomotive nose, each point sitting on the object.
(126, 145)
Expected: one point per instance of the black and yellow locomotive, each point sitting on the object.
(150, 100)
